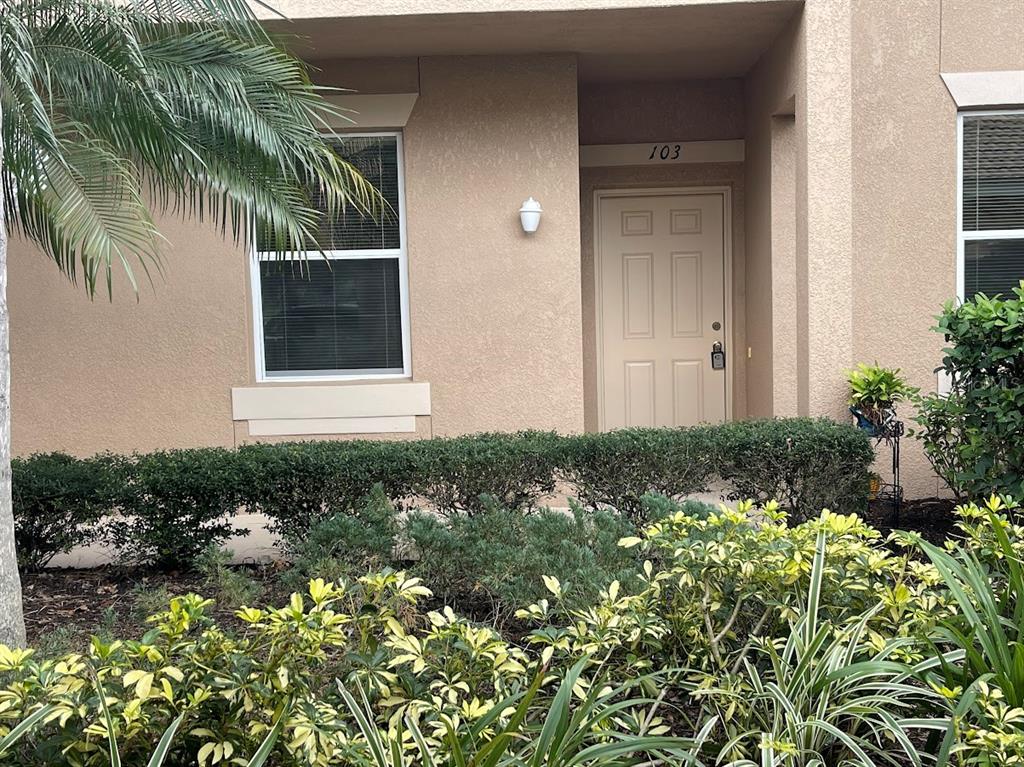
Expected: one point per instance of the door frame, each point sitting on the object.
(725, 192)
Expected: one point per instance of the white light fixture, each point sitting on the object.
(529, 215)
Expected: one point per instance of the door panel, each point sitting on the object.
(661, 287)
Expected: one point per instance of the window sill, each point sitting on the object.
(347, 407)
(264, 379)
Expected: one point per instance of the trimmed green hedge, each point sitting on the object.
(165, 507)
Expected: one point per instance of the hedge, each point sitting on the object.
(163, 508)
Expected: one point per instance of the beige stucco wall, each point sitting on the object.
(672, 110)
(770, 91)
(904, 174)
(96, 375)
(874, 144)
(495, 315)
(496, 318)
(802, 288)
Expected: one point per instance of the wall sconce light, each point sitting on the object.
(529, 215)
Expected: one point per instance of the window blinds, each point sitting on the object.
(993, 267)
(993, 201)
(376, 159)
(993, 172)
(329, 317)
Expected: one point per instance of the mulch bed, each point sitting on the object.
(931, 517)
(64, 607)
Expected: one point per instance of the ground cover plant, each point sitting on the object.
(742, 638)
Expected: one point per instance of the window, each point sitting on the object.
(991, 214)
(345, 316)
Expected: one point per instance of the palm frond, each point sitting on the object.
(115, 111)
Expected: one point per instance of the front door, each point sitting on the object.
(661, 309)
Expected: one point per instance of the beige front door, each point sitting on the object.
(661, 308)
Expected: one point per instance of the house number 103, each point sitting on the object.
(665, 152)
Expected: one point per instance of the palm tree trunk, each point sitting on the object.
(12, 619)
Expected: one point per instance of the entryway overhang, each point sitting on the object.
(620, 41)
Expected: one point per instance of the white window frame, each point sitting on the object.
(401, 253)
(963, 237)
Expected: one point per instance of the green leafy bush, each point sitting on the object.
(300, 483)
(59, 501)
(467, 475)
(805, 464)
(825, 694)
(740, 640)
(974, 437)
(231, 689)
(582, 723)
(345, 544)
(712, 585)
(986, 581)
(174, 505)
(617, 469)
(497, 560)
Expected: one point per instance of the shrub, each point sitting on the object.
(740, 640)
(824, 694)
(714, 585)
(975, 436)
(497, 560)
(805, 464)
(58, 501)
(985, 577)
(300, 483)
(278, 671)
(345, 543)
(466, 474)
(618, 468)
(174, 505)
(440, 693)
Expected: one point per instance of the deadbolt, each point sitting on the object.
(716, 325)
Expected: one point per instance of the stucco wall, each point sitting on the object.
(770, 90)
(496, 318)
(669, 110)
(495, 315)
(89, 375)
(904, 174)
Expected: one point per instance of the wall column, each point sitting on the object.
(828, 234)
